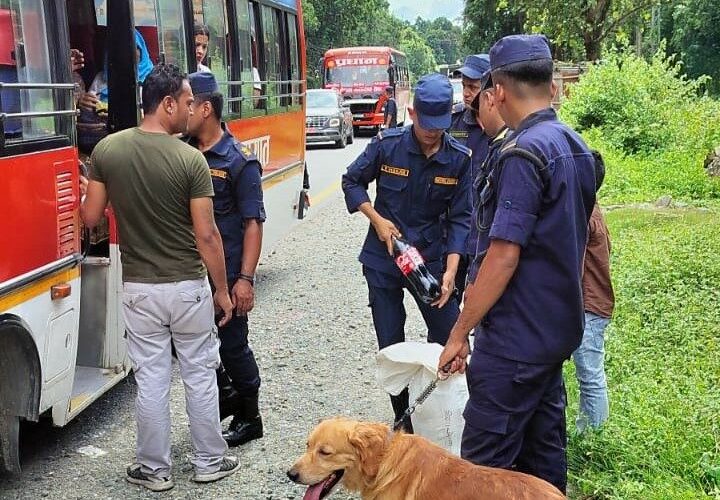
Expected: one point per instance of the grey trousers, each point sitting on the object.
(153, 313)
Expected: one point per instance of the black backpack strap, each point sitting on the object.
(540, 166)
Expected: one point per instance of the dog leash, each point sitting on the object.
(420, 399)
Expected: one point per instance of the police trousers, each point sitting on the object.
(155, 313)
(385, 294)
(237, 357)
(515, 417)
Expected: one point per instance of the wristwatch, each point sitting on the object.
(245, 277)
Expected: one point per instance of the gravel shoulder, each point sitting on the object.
(313, 337)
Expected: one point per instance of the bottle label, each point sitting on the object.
(409, 260)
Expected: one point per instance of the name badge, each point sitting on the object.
(446, 181)
(222, 174)
(402, 172)
(459, 134)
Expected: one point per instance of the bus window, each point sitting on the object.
(247, 49)
(295, 88)
(211, 13)
(24, 59)
(271, 46)
(172, 32)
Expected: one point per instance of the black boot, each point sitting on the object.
(230, 399)
(246, 425)
(400, 404)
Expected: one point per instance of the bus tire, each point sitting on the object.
(19, 387)
(351, 135)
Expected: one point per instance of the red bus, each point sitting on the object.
(361, 75)
(61, 329)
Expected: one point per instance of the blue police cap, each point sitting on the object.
(433, 101)
(486, 80)
(202, 82)
(475, 65)
(518, 48)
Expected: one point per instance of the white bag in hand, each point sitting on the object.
(414, 365)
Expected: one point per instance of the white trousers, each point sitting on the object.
(154, 313)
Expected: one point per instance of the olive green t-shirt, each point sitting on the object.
(150, 179)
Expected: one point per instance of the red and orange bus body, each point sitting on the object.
(361, 75)
(61, 329)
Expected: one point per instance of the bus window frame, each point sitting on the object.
(60, 74)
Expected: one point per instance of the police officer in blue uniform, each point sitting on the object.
(468, 131)
(497, 132)
(421, 173)
(239, 214)
(526, 301)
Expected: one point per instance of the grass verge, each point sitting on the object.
(663, 363)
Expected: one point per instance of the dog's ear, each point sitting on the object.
(369, 441)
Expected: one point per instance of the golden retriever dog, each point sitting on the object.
(386, 465)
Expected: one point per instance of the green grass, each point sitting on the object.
(663, 363)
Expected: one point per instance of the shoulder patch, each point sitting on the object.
(391, 132)
(388, 169)
(456, 145)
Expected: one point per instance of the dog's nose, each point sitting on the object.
(294, 476)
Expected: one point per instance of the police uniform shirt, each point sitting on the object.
(466, 130)
(539, 317)
(413, 192)
(236, 175)
(479, 240)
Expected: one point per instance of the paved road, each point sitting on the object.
(312, 334)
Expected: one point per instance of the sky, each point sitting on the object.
(427, 9)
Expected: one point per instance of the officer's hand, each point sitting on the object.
(455, 353)
(448, 287)
(385, 230)
(83, 185)
(244, 295)
(224, 304)
(88, 101)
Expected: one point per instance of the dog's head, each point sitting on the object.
(340, 449)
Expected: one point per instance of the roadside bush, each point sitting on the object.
(653, 125)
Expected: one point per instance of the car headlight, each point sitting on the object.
(334, 122)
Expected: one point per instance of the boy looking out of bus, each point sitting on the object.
(161, 193)
(240, 213)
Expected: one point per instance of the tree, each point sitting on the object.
(443, 37)
(420, 56)
(692, 30)
(486, 21)
(589, 22)
(577, 28)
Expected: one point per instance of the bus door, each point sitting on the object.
(39, 199)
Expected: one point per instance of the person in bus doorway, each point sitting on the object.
(202, 41)
(526, 301)
(466, 128)
(240, 213)
(161, 192)
(390, 114)
(423, 182)
(93, 104)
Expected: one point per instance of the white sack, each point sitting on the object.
(414, 364)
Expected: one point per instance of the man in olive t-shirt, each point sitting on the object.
(161, 193)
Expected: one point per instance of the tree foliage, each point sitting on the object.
(692, 30)
(577, 28)
(443, 37)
